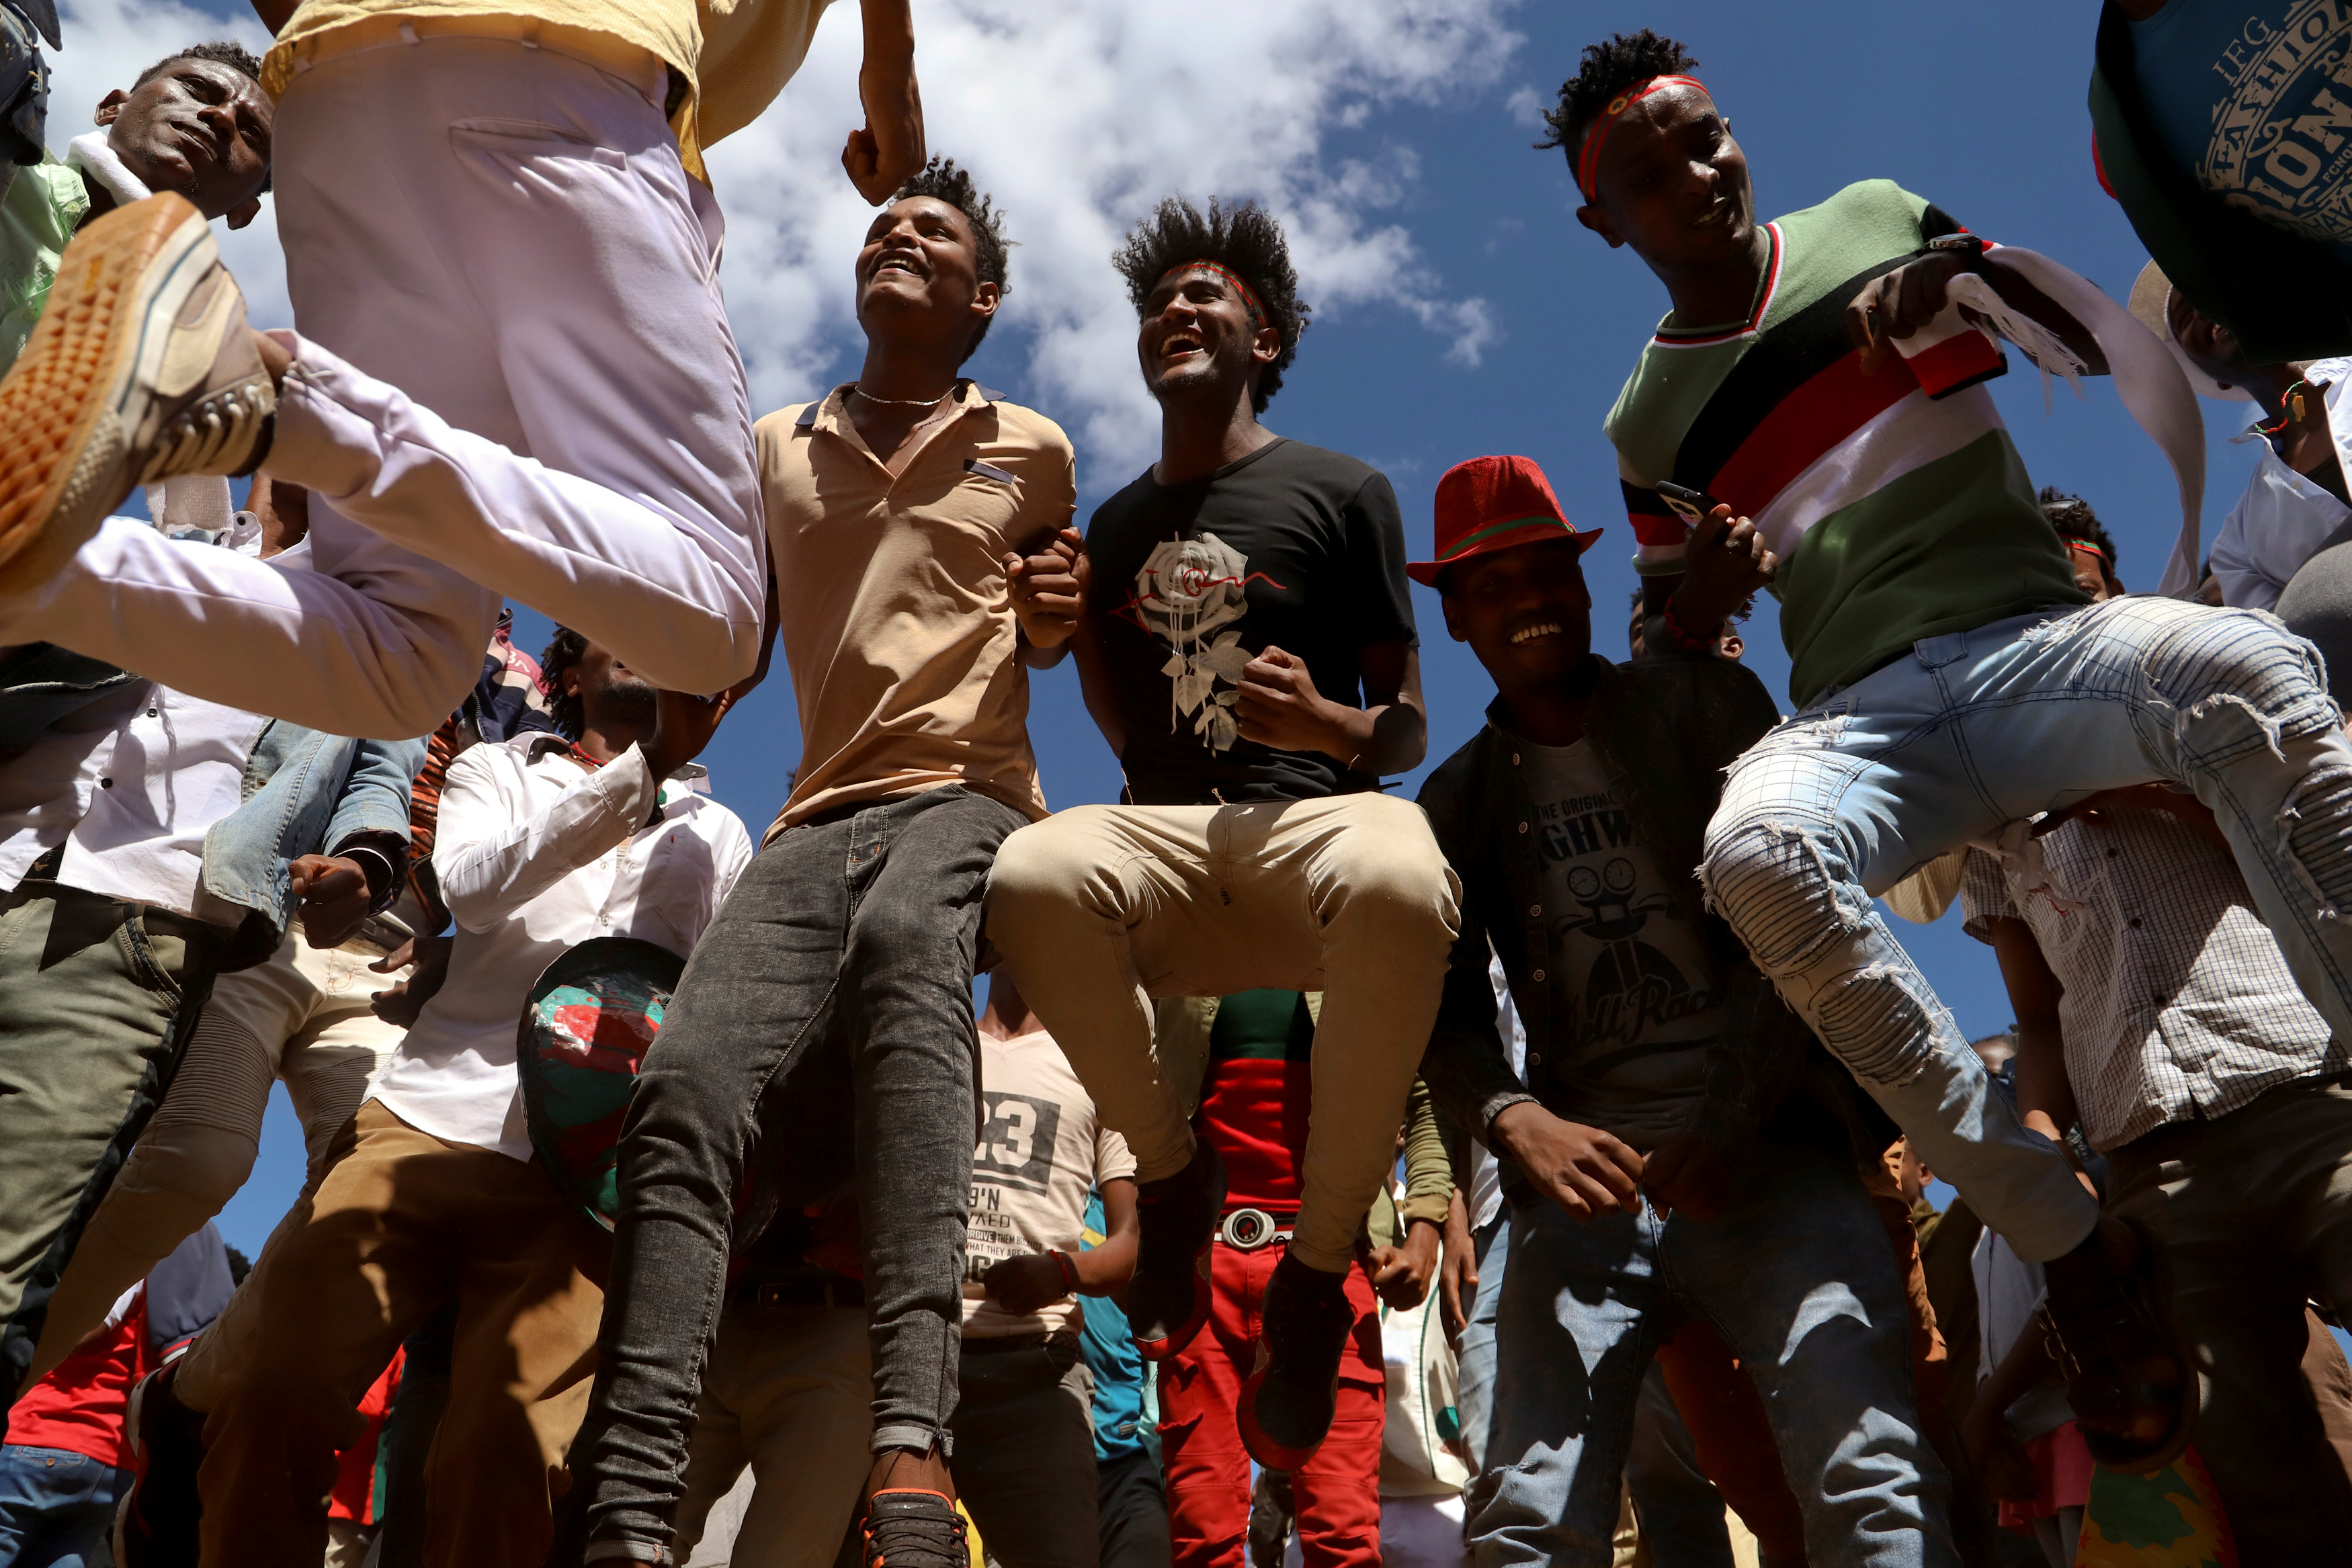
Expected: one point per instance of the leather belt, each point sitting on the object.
(821, 1290)
(1248, 1229)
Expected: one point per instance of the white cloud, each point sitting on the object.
(1077, 115)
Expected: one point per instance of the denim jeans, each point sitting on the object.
(1474, 1394)
(862, 930)
(1680, 1510)
(56, 1506)
(1980, 729)
(1797, 1279)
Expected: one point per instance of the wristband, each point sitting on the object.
(1070, 1269)
(1683, 639)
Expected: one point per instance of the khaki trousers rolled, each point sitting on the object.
(302, 1016)
(401, 1222)
(1099, 909)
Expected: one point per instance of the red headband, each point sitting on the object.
(1249, 295)
(1588, 157)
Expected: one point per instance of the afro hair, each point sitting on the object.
(2073, 517)
(942, 180)
(565, 650)
(220, 51)
(1607, 71)
(1246, 241)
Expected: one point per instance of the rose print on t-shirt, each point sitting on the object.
(1188, 593)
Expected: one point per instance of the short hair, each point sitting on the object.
(2073, 517)
(1244, 240)
(1607, 69)
(943, 181)
(220, 51)
(564, 652)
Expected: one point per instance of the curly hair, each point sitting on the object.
(220, 51)
(1606, 70)
(564, 652)
(943, 181)
(2073, 517)
(1246, 241)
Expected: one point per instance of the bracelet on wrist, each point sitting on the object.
(1681, 637)
(1070, 1269)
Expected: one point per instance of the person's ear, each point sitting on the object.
(985, 299)
(109, 107)
(1266, 347)
(1594, 217)
(1454, 627)
(244, 212)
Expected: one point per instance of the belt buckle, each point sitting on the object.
(1248, 1229)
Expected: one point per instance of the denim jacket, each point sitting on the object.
(305, 792)
(1665, 730)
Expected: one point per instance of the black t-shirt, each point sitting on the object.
(1291, 547)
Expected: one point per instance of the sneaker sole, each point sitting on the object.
(1263, 1449)
(64, 459)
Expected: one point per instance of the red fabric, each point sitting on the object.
(1208, 1471)
(2063, 1465)
(354, 1494)
(1254, 1113)
(1486, 494)
(80, 1406)
(1830, 406)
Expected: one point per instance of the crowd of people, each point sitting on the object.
(1532, 1172)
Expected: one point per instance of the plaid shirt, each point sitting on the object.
(2178, 1004)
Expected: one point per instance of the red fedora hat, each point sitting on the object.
(1491, 504)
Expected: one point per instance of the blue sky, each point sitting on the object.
(1515, 328)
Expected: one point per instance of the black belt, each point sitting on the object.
(798, 1291)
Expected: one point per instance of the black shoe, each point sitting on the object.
(155, 1524)
(909, 1528)
(1287, 1400)
(1169, 1298)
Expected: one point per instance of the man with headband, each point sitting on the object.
(1247, 647)
(1817, 375)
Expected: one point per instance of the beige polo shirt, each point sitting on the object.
(735, 55)
(891, 603)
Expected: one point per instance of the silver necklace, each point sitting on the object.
(901, 402)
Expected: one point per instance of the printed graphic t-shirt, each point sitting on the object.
(1895, 516)
(1641, 1000)
(2254, 102)
(1040, 1152)
(1291, 547)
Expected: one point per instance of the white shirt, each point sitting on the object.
(536, 854)
(2283, 518)
(129, 784)
(1485, 1198)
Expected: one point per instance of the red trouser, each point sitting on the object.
(1208, 1472)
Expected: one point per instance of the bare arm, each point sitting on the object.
(1106, 1270)
(2046, 1100)
(275, 13)
(1280, 707)
(884, 153)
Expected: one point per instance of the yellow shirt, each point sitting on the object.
(891, 602)
(734, 54)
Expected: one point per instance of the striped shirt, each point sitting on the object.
(1895, 516)
(2178, 1003)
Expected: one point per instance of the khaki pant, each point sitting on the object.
(303, 1016)
(401, 1222)
(1100, 908)
(789, 1394)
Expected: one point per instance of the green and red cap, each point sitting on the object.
(1495, 502)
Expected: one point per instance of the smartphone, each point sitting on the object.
(1689, 505)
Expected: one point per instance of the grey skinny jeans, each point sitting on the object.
(861, 930)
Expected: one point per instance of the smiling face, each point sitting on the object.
(1197, 336)
(199, 127)
(1524, 612)
(918, 274)
(1672, 184)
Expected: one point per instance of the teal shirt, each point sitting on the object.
(43, 206)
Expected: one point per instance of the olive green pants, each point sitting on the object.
(97, 999)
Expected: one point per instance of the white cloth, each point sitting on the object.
(1041, 1151)
(129, 785)
(580, 435)
(1486, 1200)
(1423, 1379)
(536, 854)
(2283, 518)
(93, 154)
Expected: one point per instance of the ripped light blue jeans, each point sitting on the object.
(1799, 1281)
(1980, 729)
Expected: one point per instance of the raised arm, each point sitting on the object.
(492, 856)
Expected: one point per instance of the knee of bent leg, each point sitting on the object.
(191, 1162)
(1040, 871)
(1400, 882)
(2240, 674)
(1774, 882)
